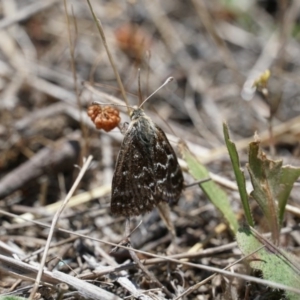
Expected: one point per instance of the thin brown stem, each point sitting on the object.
(101, 32)
(74, 73)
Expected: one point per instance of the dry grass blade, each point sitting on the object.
(101, 31)
(55, 219)
(26, 271)
(27, 12)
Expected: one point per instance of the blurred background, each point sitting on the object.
(53, 65)
(214, 50)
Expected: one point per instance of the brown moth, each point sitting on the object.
(147, 170)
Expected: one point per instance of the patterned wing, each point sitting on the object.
(147, 171)
(133, 184)
(168, 174)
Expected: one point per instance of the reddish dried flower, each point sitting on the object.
(106, 118)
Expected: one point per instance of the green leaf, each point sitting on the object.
(288, 177)
(215, 194)
(275, 264)
(239, 175)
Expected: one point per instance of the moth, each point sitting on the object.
(147, 170)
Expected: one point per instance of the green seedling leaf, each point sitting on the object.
(214, 193)
(288, 177)
(275, 264)
(265, 177)
(239, 175)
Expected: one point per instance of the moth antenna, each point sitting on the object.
(139, 86)
(165, 83)
(110, 104)
(148, 54)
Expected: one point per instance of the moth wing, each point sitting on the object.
(168, 174)
(133, 184)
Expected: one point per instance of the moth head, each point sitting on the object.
(136, 113)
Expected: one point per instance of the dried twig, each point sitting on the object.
(55, 219)
(26, 12)
(55, 158)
